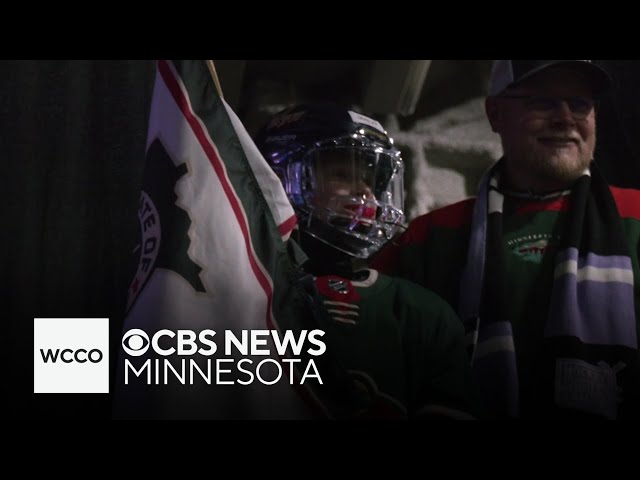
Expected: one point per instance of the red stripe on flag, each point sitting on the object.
(170, 78)
(285, 227)
(180, 97)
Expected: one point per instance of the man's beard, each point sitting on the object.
(555, 171)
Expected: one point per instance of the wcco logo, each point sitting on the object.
(71, 355)
(80, 355)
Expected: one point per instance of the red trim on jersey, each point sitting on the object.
(337, 289)
(628, 201)
(559, 204)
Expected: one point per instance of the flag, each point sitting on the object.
(213, 257)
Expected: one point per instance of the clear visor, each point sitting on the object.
(356, 188)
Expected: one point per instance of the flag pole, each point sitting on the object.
(214, 75)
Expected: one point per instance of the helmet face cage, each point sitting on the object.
(347, 191)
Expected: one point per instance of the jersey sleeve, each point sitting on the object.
(389, 259)
(432, 243)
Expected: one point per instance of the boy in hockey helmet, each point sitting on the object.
(400, 347)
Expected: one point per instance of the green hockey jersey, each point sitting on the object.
(400, 347)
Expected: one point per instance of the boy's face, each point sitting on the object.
(345, 174)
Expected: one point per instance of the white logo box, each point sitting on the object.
(71, 355)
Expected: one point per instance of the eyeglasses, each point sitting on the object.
(580, 107)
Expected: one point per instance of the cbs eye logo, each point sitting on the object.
(135, 342)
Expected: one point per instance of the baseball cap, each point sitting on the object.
(508, 73)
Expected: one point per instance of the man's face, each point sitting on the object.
(548, 129)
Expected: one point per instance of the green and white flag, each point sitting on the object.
(214, 221)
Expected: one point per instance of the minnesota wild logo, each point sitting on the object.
(533, 247)
(164, 240)
(532, 251)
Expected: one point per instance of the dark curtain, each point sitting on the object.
(72, 142)
(618, 147)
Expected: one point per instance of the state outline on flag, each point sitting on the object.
(159, 212)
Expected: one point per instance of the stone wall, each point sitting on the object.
(445, 155)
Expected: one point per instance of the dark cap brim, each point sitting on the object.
(599, 78)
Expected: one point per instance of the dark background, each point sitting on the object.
(72, 141)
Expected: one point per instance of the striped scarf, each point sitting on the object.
(590, 332)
